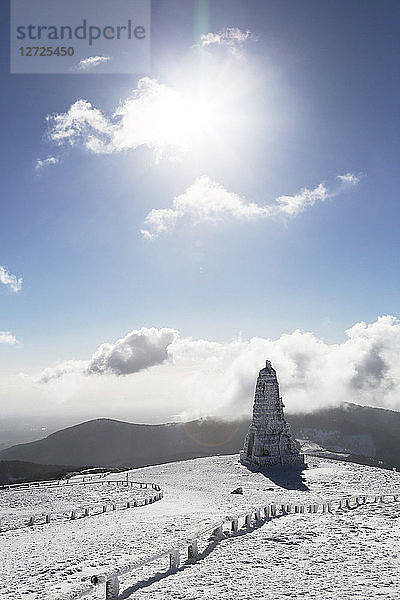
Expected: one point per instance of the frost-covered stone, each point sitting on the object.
(268, 441)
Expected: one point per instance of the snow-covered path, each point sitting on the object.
(42, 562)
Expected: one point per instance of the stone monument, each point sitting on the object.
(268, 441)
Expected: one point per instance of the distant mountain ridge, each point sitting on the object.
(358, 430)
(108, 442)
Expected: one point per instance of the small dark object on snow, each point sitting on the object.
(238, 490)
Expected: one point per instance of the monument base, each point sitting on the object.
(295, 460)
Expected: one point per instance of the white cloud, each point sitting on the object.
(46, 162)
(10, 280)
(364, 369)
(82, 121)
(206, 200)
(67, 367)
(6, 337)
(349, 179)
(293, 205)
(138, 350)
(203, 377)
(154, 115)
(91, 62)
(232, 37)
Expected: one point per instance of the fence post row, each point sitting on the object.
(112, 583)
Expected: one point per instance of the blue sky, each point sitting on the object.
(311, 94)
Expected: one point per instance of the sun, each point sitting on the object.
(181, 120)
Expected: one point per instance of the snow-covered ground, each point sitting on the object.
(349, 554)
(19, 504)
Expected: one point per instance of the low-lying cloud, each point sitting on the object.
(138, 350)
(208, 201)
(204, 377)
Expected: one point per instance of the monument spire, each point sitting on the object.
(268, 441)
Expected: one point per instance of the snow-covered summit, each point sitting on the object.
(296, 556)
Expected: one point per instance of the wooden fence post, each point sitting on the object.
(86, 512)
(112, 588)
(267, 511)
(247, 520)
(217, 533)
(235, 524)
(257, 515)
(48, 518)
(273, 510)
(192, 550)
(31, 520)
(174, 559)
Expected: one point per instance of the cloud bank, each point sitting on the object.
(206, 200)
(204, 377)
(11, 281)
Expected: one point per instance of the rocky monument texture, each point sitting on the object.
(268, 441)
